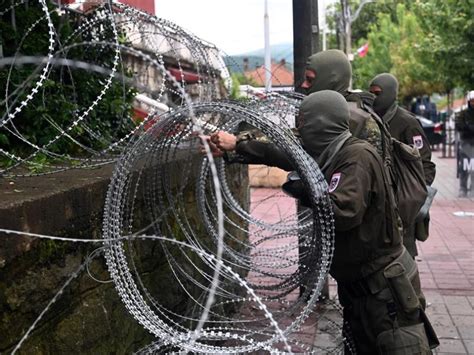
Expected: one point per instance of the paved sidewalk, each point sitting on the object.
(446, 264)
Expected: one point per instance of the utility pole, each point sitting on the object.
(347, 20)
(268, 55)
(305, 36)
(305, 43)
(323, 24)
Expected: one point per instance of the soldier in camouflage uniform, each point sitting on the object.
(404, 126)
(331, 70)
(378, 281)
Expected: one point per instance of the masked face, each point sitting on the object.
(376, 90)
(327, 70)
(309, 78)
(325, 116)
(385, 88)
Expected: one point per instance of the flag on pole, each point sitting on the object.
(362, 51)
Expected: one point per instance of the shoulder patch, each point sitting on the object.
(418, 141)
(335, 178)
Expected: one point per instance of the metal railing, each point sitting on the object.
(448, 145)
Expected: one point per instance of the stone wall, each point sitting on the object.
(88, 316)
(266, 176)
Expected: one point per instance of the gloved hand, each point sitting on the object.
(294, 187)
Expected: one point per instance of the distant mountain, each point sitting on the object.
(283, 51)
(279, 51)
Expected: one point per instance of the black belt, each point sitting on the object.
(356, 289)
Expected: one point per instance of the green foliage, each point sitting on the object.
(395, 47)
(448, 26)
(369, 15)
(332, 11)
(237, 80)
(428, 44)
(378, 58)
(415, 71)
(366, 19)
(66, 93)
(48, 249)
(235, 90)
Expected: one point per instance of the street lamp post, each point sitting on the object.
(268, 55)
(305, 36)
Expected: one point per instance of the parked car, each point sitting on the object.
(433, 131)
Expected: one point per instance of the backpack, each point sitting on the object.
(405, 170)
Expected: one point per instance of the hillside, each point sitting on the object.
(256, 58)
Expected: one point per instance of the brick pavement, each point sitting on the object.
(271, 205)
(446, 263)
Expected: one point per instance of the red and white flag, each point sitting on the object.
(362, 51)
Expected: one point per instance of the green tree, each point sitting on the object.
(366, 18)
(369, 15)
(395, 47)
(66, 92)
(378, 58)
(428, 44)
(448, 42)
(414, 70)
(236, 82)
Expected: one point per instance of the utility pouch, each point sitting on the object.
(424, 210)
(407, 340)
(401, 287)
(433, 340)
(422, 231)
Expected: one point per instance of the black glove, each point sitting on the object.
(294, 187)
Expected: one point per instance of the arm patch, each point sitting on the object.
(418, 141)
(335, 178)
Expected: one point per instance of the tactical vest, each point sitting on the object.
(363, 126)
(402, 161)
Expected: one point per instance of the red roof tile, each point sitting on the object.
(281, 75)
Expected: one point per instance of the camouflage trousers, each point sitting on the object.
(389, 322)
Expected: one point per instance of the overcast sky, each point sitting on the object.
(235, 26)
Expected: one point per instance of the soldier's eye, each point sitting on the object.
(376, 91)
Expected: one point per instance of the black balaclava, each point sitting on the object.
(324, 125)
(388, 97)
(333, 71)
